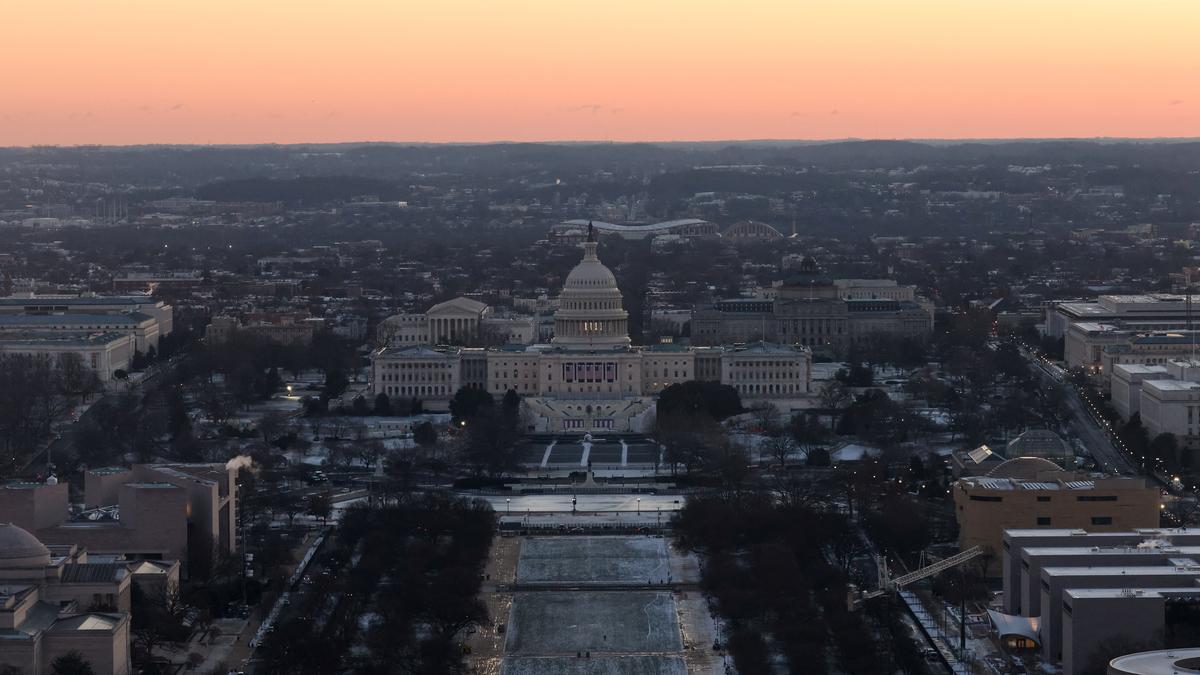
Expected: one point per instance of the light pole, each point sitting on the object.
(639, 506)
(508, 505)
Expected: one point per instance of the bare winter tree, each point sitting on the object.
(77, 379)
(834, 397)
(780, 448)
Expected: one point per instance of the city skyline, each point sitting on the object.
(137, 72)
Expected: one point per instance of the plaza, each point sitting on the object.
(599, 604)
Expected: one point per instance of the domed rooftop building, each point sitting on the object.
(589, 377)
(56, 600)
(1162, 662)
(20, 549)
(590, 314)
(1025, 468)
(1042, 443)
(751, 231)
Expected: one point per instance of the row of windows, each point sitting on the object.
(769, 389)
(1044, 521)
(1084, 498)
(580, 424)
(418, 365)
(415, 377)
(590, 372)
(421, 390)
(591, 389)
(765, 375)
(666, 373)
(525, 375)
(806, 327)
(579, 304)
(760, 364)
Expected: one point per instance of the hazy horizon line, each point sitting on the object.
(734, 141)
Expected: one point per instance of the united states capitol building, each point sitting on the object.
(589, 377)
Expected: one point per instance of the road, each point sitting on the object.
(62, 448)
(1084, 422)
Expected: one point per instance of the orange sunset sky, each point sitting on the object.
(250, 71)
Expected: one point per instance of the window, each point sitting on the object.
(1043, 499)
(981, 498)
(1043, 521)
(1102, 520)
(1097, 498)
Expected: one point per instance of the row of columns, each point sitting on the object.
(812, 327)
(452, 329)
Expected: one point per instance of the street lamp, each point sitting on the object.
(508, 505)
(639, 506)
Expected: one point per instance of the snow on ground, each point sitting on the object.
(607, 560)
(853, 452)
(944, 450)
(648, 504)
(936, 415)
(602, 622)
(700, 631)
(595, 665)
(825, 371)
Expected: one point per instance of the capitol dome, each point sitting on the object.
(19, 548)
(591, 274)
(590, 312)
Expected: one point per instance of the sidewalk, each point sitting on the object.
(240, 650)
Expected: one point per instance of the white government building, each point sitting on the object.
(588, 377)
(1166, 396)
(104, 331)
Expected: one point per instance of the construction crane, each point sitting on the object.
(888, 584)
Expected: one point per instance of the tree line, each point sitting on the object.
(35, 392)
(417, 572)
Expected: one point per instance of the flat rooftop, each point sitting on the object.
(1096, 327)
(59, 338)
(1140, 369)
(21, 320)
(1131, 549)
(52, 301)
(1146, 532)
(1192, 570)
(1132, 592)
(1171, 385)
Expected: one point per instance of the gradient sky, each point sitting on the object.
(249, 71)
